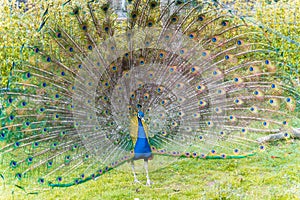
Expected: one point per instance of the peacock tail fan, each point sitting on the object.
(208, 82)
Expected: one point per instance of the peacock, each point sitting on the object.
(141, 80)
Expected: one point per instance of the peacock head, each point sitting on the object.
(141, 115)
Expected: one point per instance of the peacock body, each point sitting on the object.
(179, 79)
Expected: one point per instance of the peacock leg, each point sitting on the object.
(134, 174)
(147, 173)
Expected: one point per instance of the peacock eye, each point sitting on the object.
(273, 86)
(224, 23)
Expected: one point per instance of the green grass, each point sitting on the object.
(257, 177)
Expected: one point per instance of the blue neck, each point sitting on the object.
(140, 122)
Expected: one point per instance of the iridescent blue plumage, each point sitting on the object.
(142, 148)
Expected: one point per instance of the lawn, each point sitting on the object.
(273, 174)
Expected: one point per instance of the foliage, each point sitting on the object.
(280, 22)
(21, 32)
(283, 30)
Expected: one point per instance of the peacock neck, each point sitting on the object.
(140, 123)
(141, 130)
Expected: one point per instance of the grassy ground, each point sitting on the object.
(258, 177)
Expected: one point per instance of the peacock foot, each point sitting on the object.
(149, 183)
(136, 181)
